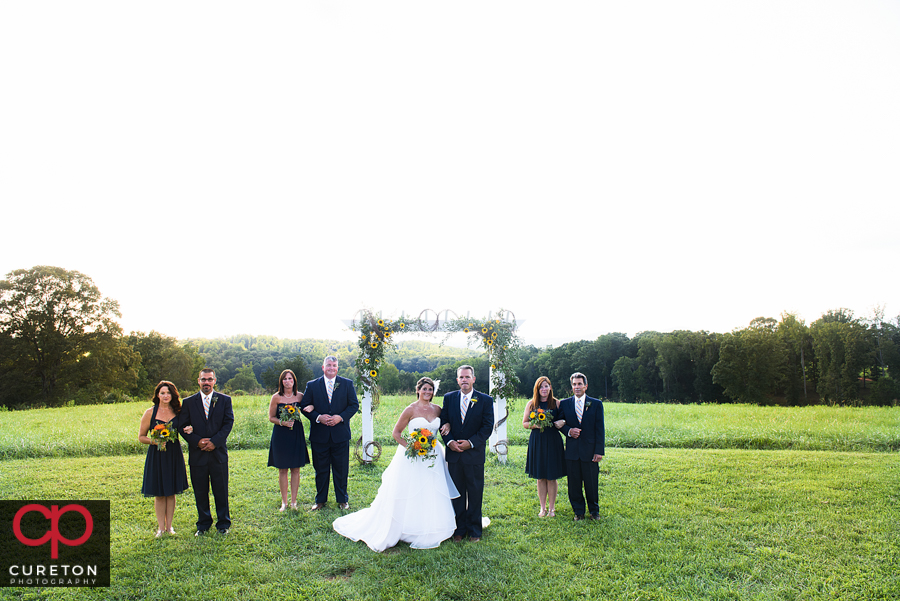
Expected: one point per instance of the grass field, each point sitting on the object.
(100, 430)
(685, 520)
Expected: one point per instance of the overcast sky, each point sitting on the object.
(271, 167)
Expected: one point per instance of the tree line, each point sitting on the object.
(60, 342)
(837, 359)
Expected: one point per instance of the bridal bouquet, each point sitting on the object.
(420, 444)
(539, 418)
(289, 413)
(164, 433)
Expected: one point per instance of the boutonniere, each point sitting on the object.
(587, 404)
(473, 399)
(337, 385)
(212, 402)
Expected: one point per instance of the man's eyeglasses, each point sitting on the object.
(207, 379)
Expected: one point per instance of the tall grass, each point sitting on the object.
(753, 427)
(99, 430)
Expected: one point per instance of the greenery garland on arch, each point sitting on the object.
(497, 336)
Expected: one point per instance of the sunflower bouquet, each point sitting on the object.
(163, 434)
(540, 418)
(289, 413)
(420, 444)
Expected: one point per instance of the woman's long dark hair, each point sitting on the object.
(175, 403)
(281, 382)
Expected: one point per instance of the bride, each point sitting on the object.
(413, 502)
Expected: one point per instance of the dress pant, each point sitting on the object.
(583, 475)
(331, 459)
(203, 477)
(469, 481)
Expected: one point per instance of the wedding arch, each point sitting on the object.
(496, 334)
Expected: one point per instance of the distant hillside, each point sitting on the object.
(228, 355)
(422, 356)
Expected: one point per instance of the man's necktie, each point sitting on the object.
(463, 407)
(579, 409)
(329, 386)
(206, 405)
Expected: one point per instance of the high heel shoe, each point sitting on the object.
(542, 513)
(552, 513)
(171, 531)
(158, 533)
(294, 506)
(283, 507)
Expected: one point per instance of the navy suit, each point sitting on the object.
(330, 444)
(582, 471)
(467, 468)
(208, 468)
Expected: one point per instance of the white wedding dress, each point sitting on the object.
(412, 505)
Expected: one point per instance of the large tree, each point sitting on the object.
(163, 358)
(626, 379)
(749, 362)
(795, 341)
(57, 335)
(244, 380)
(843, 350)
(598, 358)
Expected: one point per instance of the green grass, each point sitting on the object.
(100, 430)
(816, 428)
(677, 524)
(685, 520)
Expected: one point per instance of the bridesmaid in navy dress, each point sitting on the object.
(287, 449)
(546, 457)
(164, 473)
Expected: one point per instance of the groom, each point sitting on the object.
(329, 402)
(467, 420)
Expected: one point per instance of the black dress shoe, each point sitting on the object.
(200, 532)
(223, 531)
(595, 516)
(578, 518)
(317, 506)
(457, 539)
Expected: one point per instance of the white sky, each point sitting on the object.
(593, 166)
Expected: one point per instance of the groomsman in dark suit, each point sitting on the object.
(329, 402)
(585, 446)
(467, 419)
(210, 415)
